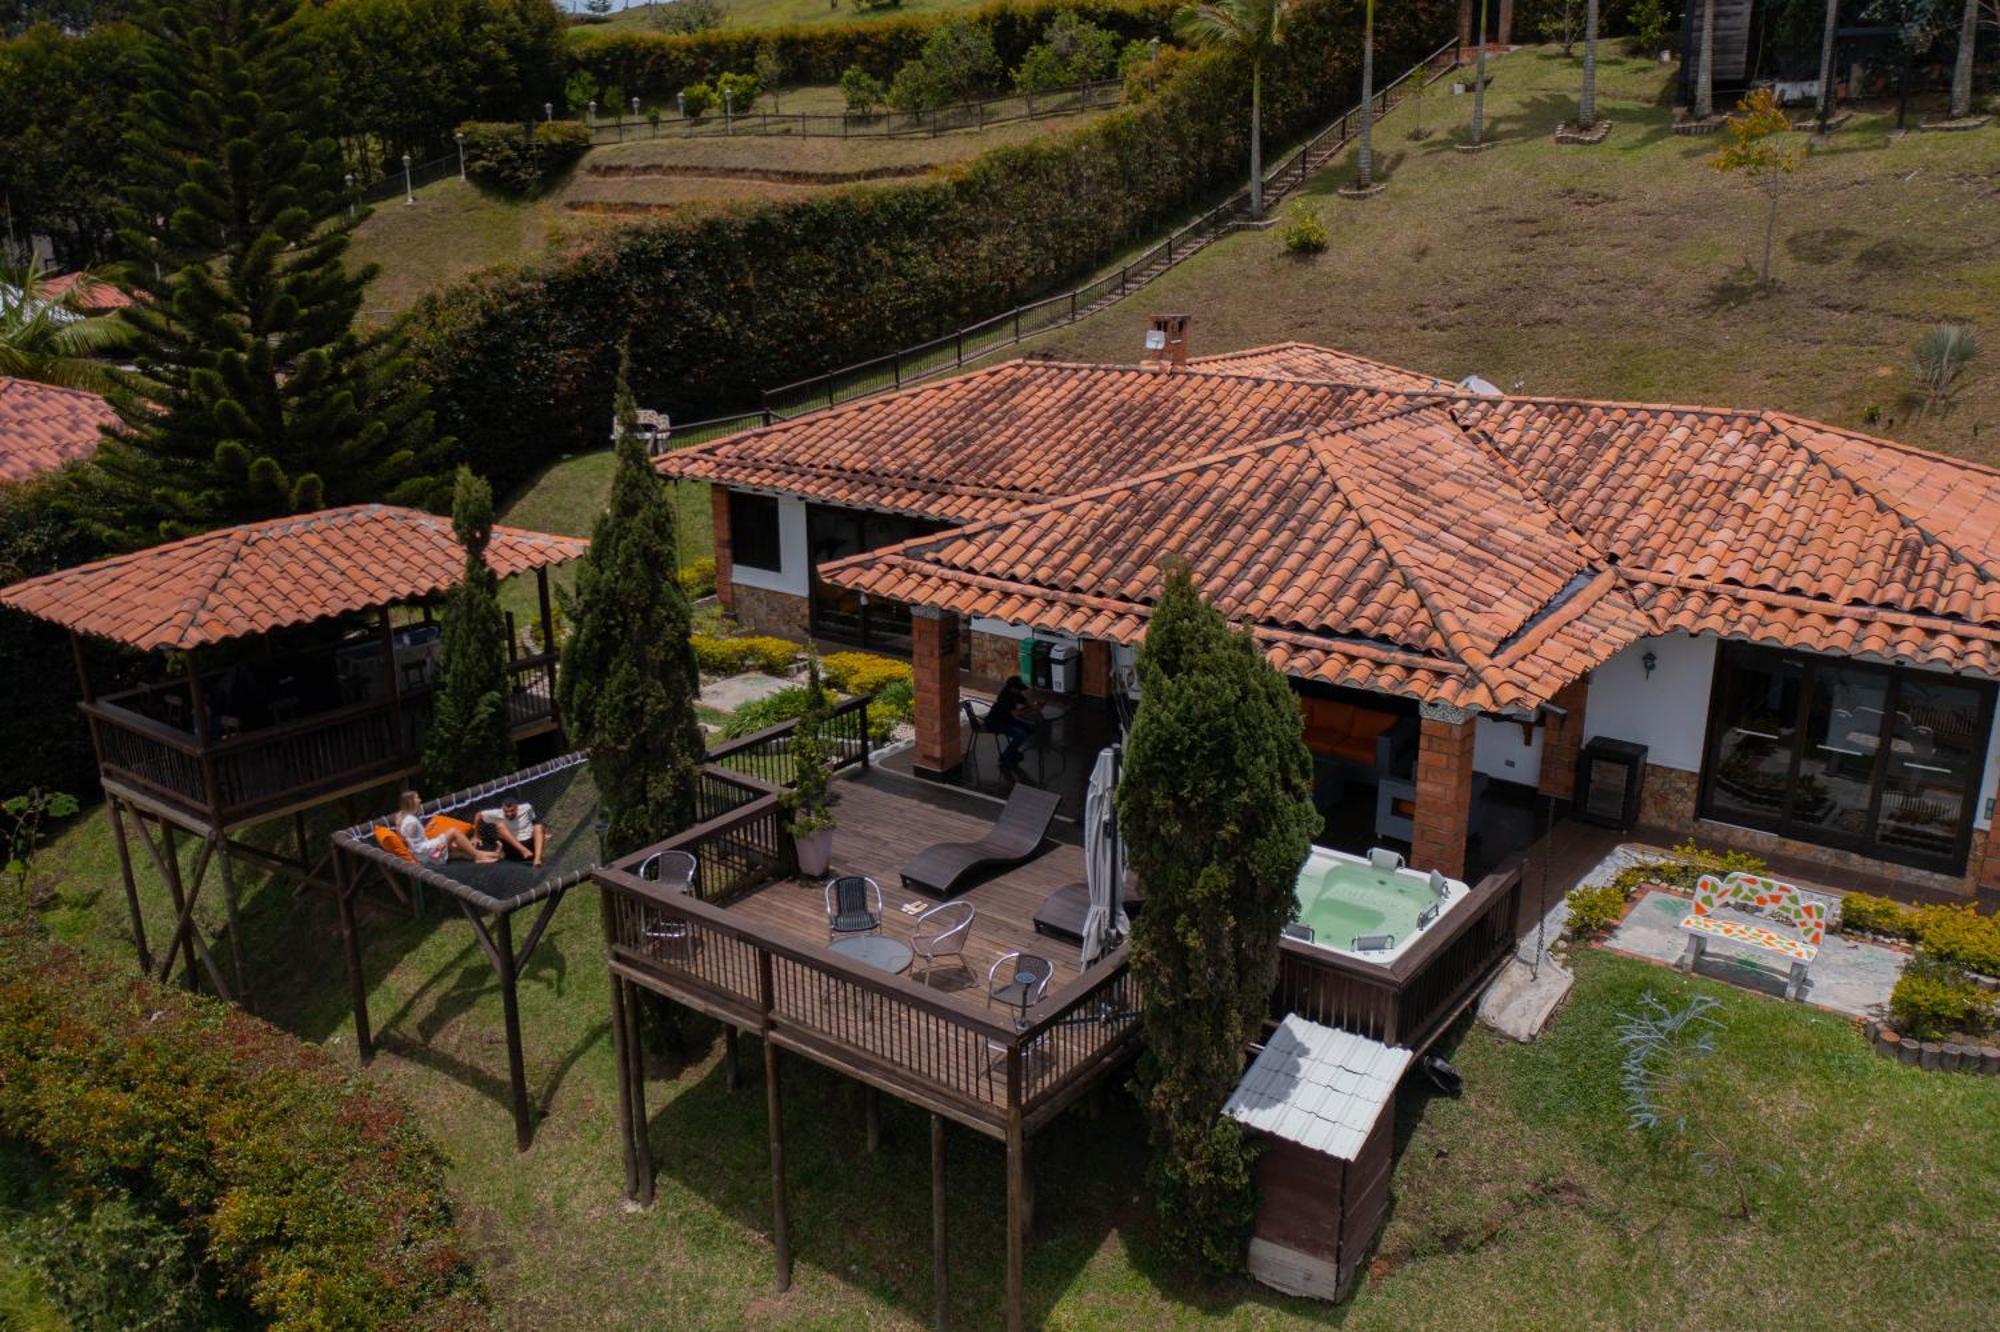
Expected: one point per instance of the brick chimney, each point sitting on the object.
(1166, 341)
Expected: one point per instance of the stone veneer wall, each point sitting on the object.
(1670, 798)
(995, 657)
(767, 612)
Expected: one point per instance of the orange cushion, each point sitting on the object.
(392, 842)
(440, 824)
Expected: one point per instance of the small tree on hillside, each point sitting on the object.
(628, 679)
(1754, 151)
(469, 740)
(1216, 808)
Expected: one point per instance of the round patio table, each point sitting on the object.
(1021, 987)
(874, 950)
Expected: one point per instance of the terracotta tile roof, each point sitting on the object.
(1302, 360)
(247, 580)
(988, 442)
(42, 427)
(97, 296)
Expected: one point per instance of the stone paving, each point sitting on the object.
(731, 693)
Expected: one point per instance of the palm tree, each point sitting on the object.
(1961, 73)
(1586, 105)
(1364, 155)
(1253, 28)
(51, 337)
(1826, 63)
(1479, 80)
(1704, 79)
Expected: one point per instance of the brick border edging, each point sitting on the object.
(1940, 1056)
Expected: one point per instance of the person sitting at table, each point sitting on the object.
(513, 830)
(1013, 715)
(450, 844)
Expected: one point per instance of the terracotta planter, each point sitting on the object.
(815, 852)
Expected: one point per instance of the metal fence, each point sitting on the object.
(401, 180)
(955, 350)
(884, 124)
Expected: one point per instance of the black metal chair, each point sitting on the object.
(976, 710)
(853, 906)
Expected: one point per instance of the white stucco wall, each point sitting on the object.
(1982, 813)
(1498, 752)
(1668, 712)
(795, 578)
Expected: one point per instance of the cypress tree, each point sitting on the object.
(253, 395)
(469, 739)
(1215, 805)
(628, 679)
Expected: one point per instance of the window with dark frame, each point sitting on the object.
(753, 532)
(1881, 760)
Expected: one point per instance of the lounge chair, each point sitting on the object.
(853, 906)
(1062, 912)
(1016, 836)
(942, 932)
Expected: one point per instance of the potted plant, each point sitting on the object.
(808, 819)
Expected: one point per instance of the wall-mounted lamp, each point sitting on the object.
(1649, 661)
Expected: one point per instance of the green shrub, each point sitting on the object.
(1877, 915)
(736, 93)
(733, 656)
(785, 705)
(893, 704)
(522, 160)
(863, 672)
(1596, 911)
(719, 303)
(862, 91)
(1961, 935)
(1143, 73)
(1934, 998)
(696, 99)
(1303, 232)
(698, 577)
(107, 1263)
(313, 1196)
(1073, 50)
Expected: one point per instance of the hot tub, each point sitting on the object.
(1343, 897)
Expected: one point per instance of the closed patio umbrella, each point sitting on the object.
(1103, 857)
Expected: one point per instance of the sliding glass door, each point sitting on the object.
(852, 617)
(1862, 757)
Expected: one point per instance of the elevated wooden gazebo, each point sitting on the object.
(219, 747)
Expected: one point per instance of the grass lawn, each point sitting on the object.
(453, 229)
(1626, 270)
(773, 13)
(1524, 1204)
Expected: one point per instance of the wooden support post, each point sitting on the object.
(170, 869)
(871, 1119)
(245, 993)
(131, 884)
(548, 641)
(510, 1008)
(940, 1286)
(732, 1069)
(346, 886)
(635, 1061)
(627, 1148)
(1017, 1193)
(393, 690)
(781, 1237)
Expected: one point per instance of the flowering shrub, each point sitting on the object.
(733, 656)
(315, 1198)
(863, 672)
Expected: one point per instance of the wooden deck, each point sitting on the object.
(882, 827)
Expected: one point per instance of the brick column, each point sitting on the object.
(1467, 27)
(1987, 866)
(1096, 668)
(1562, 740)
(934, 659)
(1444, 789)
(725, 582)
(1505, 36)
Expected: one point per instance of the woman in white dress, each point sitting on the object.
(451, 844)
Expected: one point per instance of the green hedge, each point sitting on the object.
(720, 305)
(312, 1196)
(626, 63)
(522, 159)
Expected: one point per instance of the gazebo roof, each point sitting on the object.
(241, 581)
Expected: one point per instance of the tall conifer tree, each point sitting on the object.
(254, 395)
(1215, 806)
(628, 679)
(469, 739)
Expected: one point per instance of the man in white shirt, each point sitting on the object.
(514, 829)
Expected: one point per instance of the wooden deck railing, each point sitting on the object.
(1411, 1000)
(238, 776)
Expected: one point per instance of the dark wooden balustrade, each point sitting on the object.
(1411, 1000)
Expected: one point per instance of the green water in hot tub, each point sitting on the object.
(1340, 900)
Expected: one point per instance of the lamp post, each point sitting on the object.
(728, 112)
(409, 190)
(459, 135)
(548, 111)
(591, 114)
(350, 196)
(635, 108)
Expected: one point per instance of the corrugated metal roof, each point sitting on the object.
(1319, 1087)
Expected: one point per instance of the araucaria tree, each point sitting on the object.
(1216, 808)
(1253, 29)
(628, 678)
(1756, 150)
(469, 739)
(254, 395)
